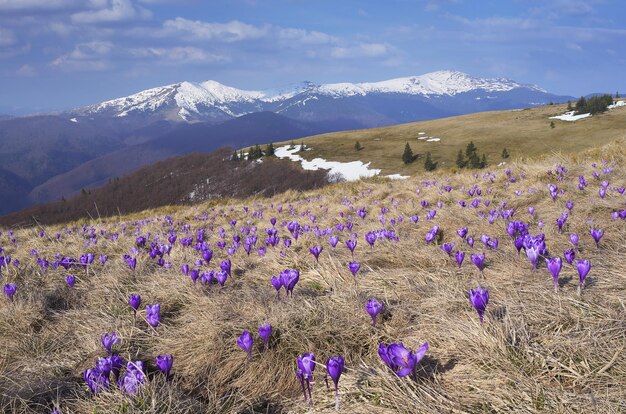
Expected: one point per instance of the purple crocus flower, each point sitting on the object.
(306, 366)
(583, 267)
(351, 245)
(333, 240)
(265, 331)
(479, 299)
(185, 269)
(134, 301)
(108, 340)
(133, 378)
(573, 238)
(470, 241)
(194, 274)
(447, 248)
(221, 277)
(401, 360)
(479, 260)
(315, 251)
(354, 267)
(103, 259)
(370, 238)
(462, 232)
(226, 266)
(334, 367)
(459, 256)
(533, 255)
(153, 314)
(70, 280)
(165, 362)
(554, 266)
(597, 235)
(569, 256)
(374, 307)
(245, 342)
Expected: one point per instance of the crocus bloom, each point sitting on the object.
(221, 277)
(354, 267)
(315, 251)
(447, 247)
(574, 239)
(265, 331)
(478, 260)
(70, 280)
(596, 234)
(351, 244)
(569, 256)
(583, 267)
(370, 238)
(333, 240)
(373, 307)
(134, 301)
(9, 290)
(108, 340)
(462, 232)
(164, 362)
(245, 342)
(479, 299)
(459, 256)
(401, 360)
(134, 377)
(306, 366)
(334, 367)
(554, 266)
(153, 314)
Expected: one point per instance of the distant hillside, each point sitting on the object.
(179, 180)
(528, 133)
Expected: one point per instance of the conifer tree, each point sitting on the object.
(357, 146)
(483, 161)
(407, 155)
(460, 160)
(429, 165)
(505, 154)
(269, 150)
(470, 150)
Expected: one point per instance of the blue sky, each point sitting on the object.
(59, 54)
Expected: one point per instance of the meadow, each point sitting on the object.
(548, 339)
(527, 134)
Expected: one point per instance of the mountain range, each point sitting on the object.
(47, 157)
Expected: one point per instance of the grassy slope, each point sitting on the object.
(525, 133)
(537, 351)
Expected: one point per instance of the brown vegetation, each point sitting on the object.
(537, 351)
(170, 182)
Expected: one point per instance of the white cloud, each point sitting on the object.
(26, 71)
(111, 11)
(233, 31)
(361, 50)
(36, 5)
(91, 56)
(177, 54)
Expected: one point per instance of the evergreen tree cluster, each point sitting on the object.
(471, 157)
(254, 153)
(593, 105)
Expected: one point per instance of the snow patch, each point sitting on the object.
(570, 117)
(398, 176)
(350, 171)
(74, 120)
(433, 139)
(421, 133)
(617, 104)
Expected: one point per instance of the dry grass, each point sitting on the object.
(537, 351)
(525, 133)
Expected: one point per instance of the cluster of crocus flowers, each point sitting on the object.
(401, 360)
(306, 366)
(287, 279)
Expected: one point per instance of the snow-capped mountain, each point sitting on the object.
(431, 95)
